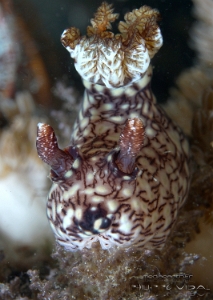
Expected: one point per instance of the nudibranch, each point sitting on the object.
(125, 175)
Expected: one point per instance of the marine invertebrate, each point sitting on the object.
(115, 60)
(125, 174)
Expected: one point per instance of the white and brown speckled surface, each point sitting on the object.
(91, 198)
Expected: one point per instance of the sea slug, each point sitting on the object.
(124, 176)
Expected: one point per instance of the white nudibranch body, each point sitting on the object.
(106, 62)
(118, 60)
(125, 175)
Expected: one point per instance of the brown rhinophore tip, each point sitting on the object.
(131, 142)
(48, 150)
